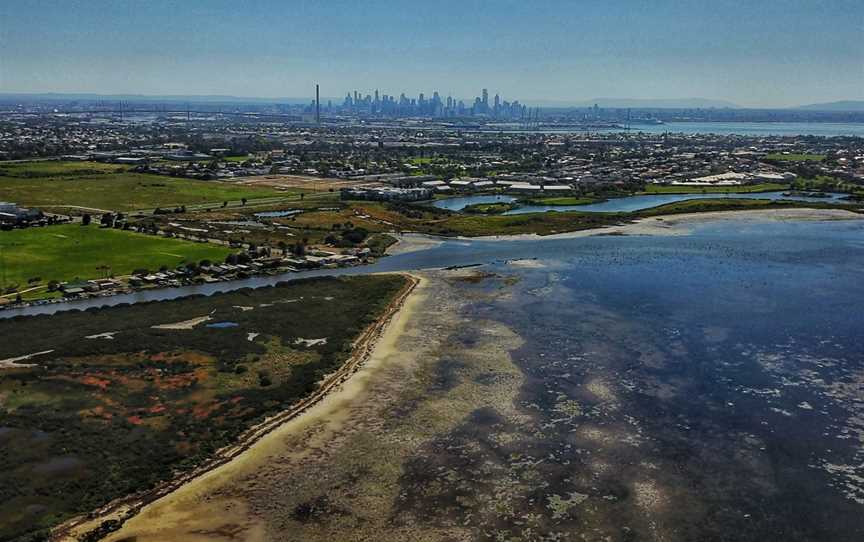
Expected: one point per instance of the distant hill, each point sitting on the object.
(846, 105)
(664, 103)
(213, 99)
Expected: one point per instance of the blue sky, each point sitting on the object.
(755, 53)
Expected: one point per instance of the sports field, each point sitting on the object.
(109, 187)
(66, 252)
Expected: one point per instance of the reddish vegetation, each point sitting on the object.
(173, 382)
(91, 380)
(135, 420)
(204, 410)
(96, 412)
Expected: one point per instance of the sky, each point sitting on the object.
(765, 53)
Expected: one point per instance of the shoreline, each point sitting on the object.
(672, 224)
(415, 241)
(124, 508)
(393, 408)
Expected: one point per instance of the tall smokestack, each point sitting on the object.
(317, 105)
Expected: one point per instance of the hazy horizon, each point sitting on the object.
(775, 54)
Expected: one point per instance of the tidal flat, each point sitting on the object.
(705, 386)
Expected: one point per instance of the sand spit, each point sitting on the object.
(682, 224)
(122, 509)
(412, 242)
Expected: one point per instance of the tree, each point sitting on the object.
(355, 236)
(243, 201)
(85, 220)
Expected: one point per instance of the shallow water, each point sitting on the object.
(683, 388)
(620, 205)
(278, 214)
(456, 252)
(222, 325)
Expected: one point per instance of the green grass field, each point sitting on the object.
(488, 208)
(796, 157)
(54, 168)
(562, 201)
(65, 252)
(728, 204)
(826, 183)
(418, 161)
(104, 186)
(749, 188)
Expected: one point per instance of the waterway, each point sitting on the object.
(459, 252)
(620, 205)
(825, 129)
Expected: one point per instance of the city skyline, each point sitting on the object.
(775, 54)
(434, 106)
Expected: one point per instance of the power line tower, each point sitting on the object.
(317, 105)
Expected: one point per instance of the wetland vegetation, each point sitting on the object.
(113, 401)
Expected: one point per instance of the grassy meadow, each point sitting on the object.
(111, 187)
(72, 251)
(743, 189)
